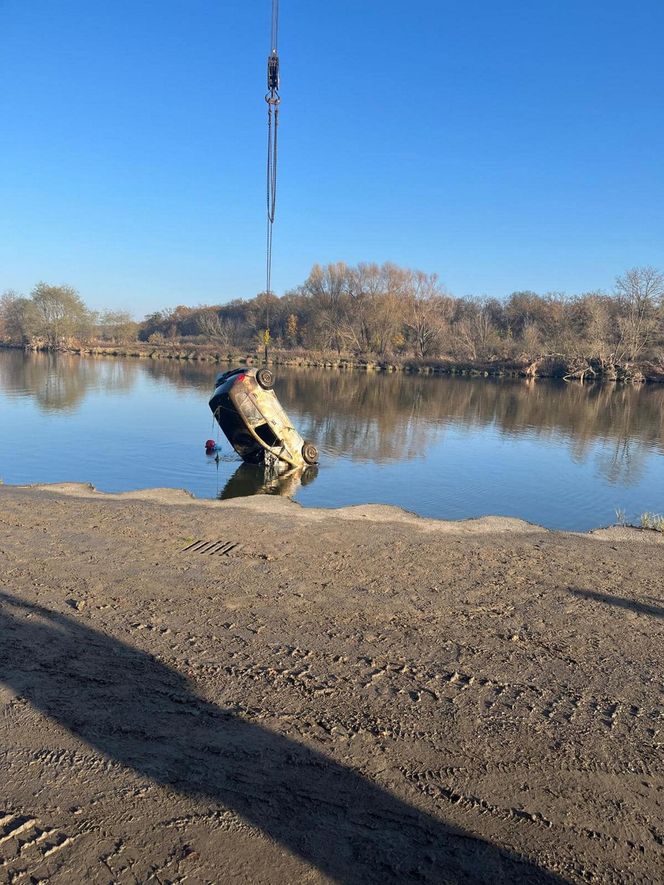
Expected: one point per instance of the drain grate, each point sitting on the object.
(213, 548)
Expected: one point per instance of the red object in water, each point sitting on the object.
(210, 445)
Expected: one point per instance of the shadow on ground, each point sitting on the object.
(642, 608)
(144, 715)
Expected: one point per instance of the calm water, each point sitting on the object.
(561, 455)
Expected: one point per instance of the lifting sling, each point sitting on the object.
(273, 100)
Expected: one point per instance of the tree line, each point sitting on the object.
(384, 312)
(55, 317)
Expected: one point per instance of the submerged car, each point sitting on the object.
(254, 422)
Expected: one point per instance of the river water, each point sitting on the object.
(565, 456)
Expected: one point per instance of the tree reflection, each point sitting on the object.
(184, 374)
(60, 382)
(385, 418)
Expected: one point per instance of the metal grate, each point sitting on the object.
(213, 548)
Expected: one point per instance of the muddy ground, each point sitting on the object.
(354, 696)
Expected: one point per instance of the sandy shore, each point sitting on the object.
(324, 696)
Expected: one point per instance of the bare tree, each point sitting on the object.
(328, 287)
(477, 335)
(640, 292)
(212, 326)
(427, 314)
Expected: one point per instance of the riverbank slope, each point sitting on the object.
(251, 691)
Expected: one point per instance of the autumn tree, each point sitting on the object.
(117, 325)
(16, 317)
(58, 313)
(292, 329)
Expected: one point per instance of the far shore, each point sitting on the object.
(254, 691)
(545, 368)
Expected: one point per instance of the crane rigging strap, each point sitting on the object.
(273, 100)
(272, 131)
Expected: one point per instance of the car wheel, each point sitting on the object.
(265, 378)
(310, 453)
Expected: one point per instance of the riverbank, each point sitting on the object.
(251, 691)
(548, 367)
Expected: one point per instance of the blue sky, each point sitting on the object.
(504, 145)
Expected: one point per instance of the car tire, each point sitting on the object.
(265, 378)
(310, 453)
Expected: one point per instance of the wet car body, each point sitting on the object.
(253, 420)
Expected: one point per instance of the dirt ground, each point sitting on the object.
(350, 696)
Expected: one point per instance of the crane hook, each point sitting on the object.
(272, 96)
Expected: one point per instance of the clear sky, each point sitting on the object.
(504, 144)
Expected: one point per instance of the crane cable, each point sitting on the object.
(273, 100)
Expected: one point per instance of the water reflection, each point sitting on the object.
(60, 382)
(342, 407)
(254, 479)
(370, 418)
(394, 417)
(184, 374)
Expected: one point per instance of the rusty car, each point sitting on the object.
(253, 420)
